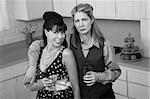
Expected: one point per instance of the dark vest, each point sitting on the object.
(95, 62)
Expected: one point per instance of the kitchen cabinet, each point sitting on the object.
(102, 8)
(120, 86)
(118, 9)
(21, 91)
(128, 9)
(138, 91)
(132, 84)
(136, 8)
(105, 9)
(138, 84)
(115, 9)
(145, 7)
(123, 9)
(148, 9)
(64, 7)
(31, 9)
(11, 82)
(7, 89)
(139, 77)
(14, 89)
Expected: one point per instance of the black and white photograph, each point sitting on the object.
(74, 49)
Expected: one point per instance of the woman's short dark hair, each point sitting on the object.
(54, 21)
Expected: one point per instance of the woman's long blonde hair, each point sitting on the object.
(95, 31)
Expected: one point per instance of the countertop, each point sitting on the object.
(142, 64)
(17, 53)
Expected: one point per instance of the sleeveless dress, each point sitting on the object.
(56, 68)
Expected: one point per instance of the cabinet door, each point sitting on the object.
(139, 77)
(120, 87)
(31, 9)
(64, 7)
(105, 9)
(136, 8)
(124, 9)
(7, 89)
(21, 91)
(138, 91)
(145, 8)
(128, 9)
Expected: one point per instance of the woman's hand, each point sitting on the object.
(49, 83)
(102, 77)
(29, 76)
(90, 78)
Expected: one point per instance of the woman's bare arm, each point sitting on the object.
(33, 56)
(71, 66)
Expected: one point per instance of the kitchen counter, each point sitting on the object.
(143, 64)
(17, 53)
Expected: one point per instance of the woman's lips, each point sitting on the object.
(82, 29)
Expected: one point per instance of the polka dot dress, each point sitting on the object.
(56, 68)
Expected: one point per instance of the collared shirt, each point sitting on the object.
(108, 49)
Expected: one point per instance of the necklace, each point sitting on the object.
(48, 56)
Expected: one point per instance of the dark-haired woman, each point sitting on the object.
(56, 72)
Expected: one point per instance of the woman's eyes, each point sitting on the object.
(84, 19)
(59, 32)
(76, 21)
(55, 32)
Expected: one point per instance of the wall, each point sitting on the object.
(113, 30)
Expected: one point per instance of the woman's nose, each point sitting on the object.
(81, 23)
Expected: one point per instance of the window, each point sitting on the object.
(4, 21)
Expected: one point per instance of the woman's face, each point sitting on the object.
(55, 38)
(82, 23)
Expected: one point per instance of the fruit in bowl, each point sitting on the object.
(133, 57)
(130, 52)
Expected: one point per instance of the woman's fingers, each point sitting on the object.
(27, 80)
(89, 78)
